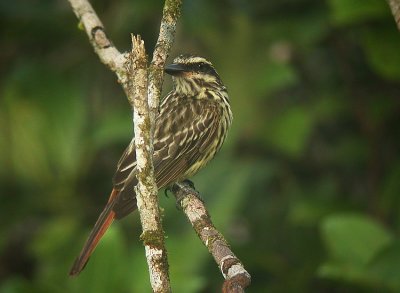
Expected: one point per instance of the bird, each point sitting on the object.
(190, 127)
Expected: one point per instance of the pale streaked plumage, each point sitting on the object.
(191, 127)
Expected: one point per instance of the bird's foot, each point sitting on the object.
(184, 189)
(166, 190)
(189, 183)
(185, 183)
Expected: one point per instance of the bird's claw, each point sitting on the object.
(184, 183)
(166, 190)
(184, 189)
(189, 183)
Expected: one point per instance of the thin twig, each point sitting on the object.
(146, 189)
(395, 7)
(171, 13)
(236, 277)
(103, 47)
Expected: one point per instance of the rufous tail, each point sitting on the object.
(103, 222)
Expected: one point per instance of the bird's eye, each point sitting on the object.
(201, 66)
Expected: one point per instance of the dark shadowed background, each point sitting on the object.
(306, 189)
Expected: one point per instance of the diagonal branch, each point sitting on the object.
(146, 189)
(103, 47)
(395, 8)
(236, 277)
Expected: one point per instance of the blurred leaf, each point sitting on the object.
(289, 131)
(51, 239)
(386, 266)
(355, 11)
(345, 272)
(18, 285)
(382, 48)
(43, 133)
(306, 211)
(51, 246)
(314, 26)
(106, 271)
(274, 76)
(391, 189)
(327, 107)
(350, 151)
(361, 252)
(115, 126)
(25, 153)
(230, 193)
(353, 239)
(308, 206)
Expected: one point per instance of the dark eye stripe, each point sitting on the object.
(203, 67)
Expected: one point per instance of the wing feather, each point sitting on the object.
(195, 126)
(126, 164)
(189, 147)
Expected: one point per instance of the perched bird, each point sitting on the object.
(190, 128)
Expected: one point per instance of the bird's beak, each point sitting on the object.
(175, 69)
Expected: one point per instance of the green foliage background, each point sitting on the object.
(306, 189)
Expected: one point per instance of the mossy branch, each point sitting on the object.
(146, 189)
(236, 277)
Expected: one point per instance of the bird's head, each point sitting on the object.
(192, 74)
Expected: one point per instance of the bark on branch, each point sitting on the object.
(395, 8)
(171, 13)
(149, 97)
(95, 31)
(146, 189)
(236, 277)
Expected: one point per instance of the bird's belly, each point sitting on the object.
(204, 158)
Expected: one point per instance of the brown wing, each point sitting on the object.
(126, 164)
(180, 151)
(183, 132)
(124, 182)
